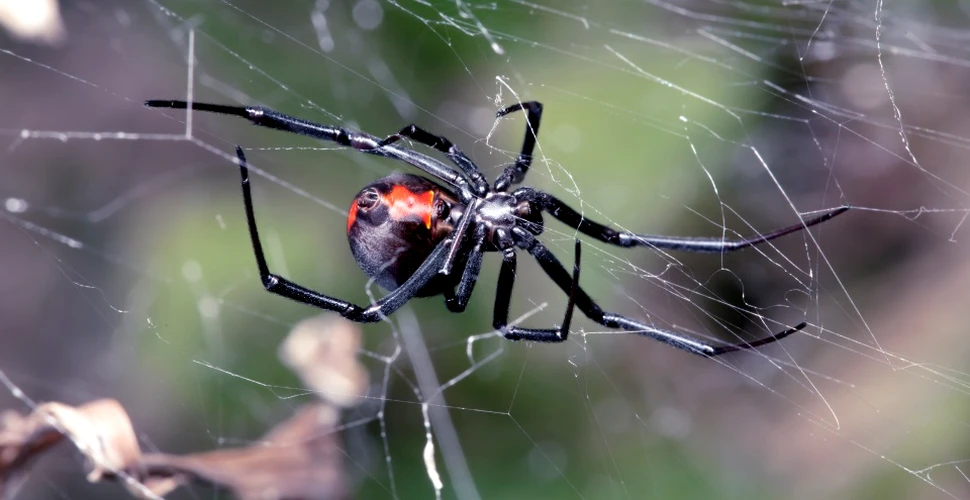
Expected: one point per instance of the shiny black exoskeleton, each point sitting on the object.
(419, 238)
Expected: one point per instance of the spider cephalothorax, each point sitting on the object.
(419, 238)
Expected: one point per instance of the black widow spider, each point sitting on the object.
(418, 238)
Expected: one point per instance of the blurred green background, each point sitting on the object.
(687, 118)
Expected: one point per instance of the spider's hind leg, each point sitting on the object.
(283, 287)
(443, 145)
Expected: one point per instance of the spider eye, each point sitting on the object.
(368, 199)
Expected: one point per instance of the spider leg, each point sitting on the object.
(503, 298)
(457, 301)
(515, 173)
(360, 141)
(603, 233)
(442, 144)
(283, 287)
(555, 270)
(460, 232)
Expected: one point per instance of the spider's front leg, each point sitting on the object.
(515, 173)
(569, 216)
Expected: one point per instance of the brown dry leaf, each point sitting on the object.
(101, 431)
(301, 458)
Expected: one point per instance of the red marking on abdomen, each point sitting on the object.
(352, 216)
(401, 203)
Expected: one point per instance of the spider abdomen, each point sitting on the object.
(395, 223)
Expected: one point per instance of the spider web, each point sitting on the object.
(128, 272)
